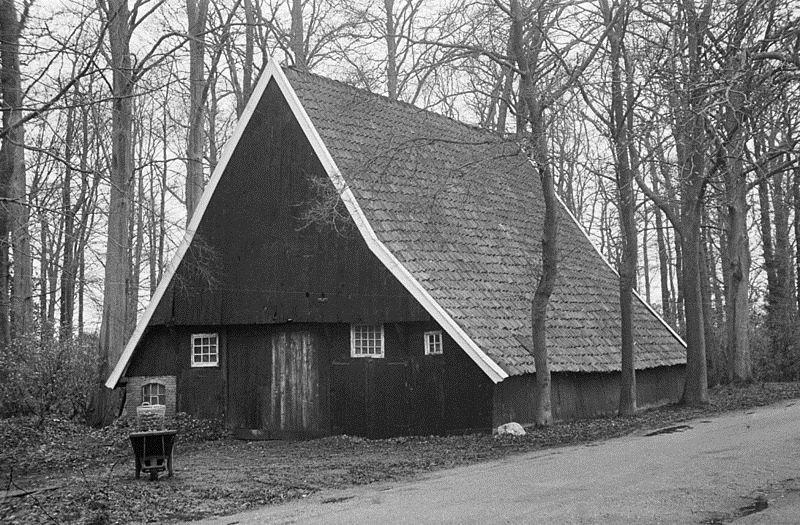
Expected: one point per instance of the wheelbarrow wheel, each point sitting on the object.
(153, 474)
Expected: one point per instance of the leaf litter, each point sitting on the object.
(76, 474)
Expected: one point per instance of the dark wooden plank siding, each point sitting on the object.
(201, 391)
(156, 354)
(577, 395)
(249, 363)
(265, 264)
(657, 386)
(407, 392)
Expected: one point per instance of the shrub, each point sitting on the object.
(44, 377)
(776, 352)
(193, 429)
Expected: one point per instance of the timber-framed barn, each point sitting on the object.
(359, 265)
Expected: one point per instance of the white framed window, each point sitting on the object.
(154, 393)
(433, 343)
(205, 350)
(366, 340)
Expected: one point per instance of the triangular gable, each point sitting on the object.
(273, 71)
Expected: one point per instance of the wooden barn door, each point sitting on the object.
(248, 366)
(348, 388)
(391, 397)
(429, 399)
(371, 397)
(294, 402)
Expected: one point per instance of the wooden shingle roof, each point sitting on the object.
(461, 210)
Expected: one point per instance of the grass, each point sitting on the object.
(88, 477)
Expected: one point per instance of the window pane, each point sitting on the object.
(366, 340)
(205, 350)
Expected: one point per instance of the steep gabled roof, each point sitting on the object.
(455, 214)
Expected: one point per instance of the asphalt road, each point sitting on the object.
(714, 471)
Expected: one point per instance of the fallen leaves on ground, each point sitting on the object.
(88, 474)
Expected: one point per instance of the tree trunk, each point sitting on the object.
(692, 195)
(249, 44)
(44, 266)
(297, 42)
(737, 302)
(212, 134)
(13, 177)
(627, 207)
(737, 259)
(715, 364)
(197, 11)
(114, 321)
(391, 50)
(81, 291)
(52, 273)
(663, 269)
(137, 245)
(152, 232)
(691, 136)
(796, 194)
(766, 240)
(646, 255)
(66, 301)
(547, 280)
(782, 255)
(505, 99)
(530, 100)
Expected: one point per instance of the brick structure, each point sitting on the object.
(133, 396)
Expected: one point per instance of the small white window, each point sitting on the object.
(366, 340)
(433, 343)
(154, 394)
(205, 350)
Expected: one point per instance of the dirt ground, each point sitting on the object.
(69, 473)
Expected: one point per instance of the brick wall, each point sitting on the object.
(133, 395)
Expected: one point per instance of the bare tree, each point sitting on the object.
(13, 177)
(197, 12)
(116, 318)
(615, 16)
(528, 37)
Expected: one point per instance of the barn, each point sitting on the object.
(359, 265)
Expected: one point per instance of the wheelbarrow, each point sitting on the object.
(153, 451)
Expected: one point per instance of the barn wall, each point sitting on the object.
(254, 259)
(298, 380)
(325, 391)
(407, 392)
(166, 351)
(584, 395)
(155, 354)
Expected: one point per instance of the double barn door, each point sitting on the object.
(380, 398)
(273, 384)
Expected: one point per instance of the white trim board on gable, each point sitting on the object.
(387, 258)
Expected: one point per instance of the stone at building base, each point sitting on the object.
(511, 429)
